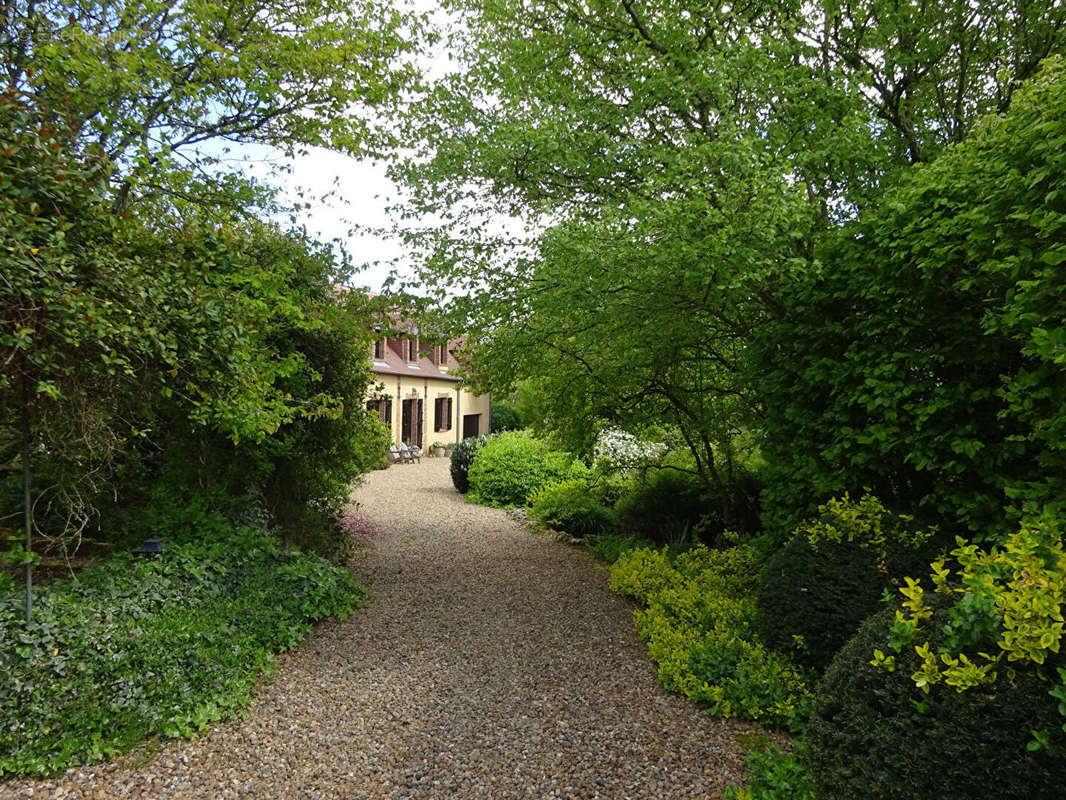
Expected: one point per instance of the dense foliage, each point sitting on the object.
(573, 506)
(610, 547)
(164, 351)
(504, 417)
(1004, 614)
(512, 466)
(773, 775)
(832, 575)
(873, 735)
(162, 646)
(678, 161)
(925, 360)
(148, 88)
(462, 457)
(177, 358)
(665, 505)
(698, 618)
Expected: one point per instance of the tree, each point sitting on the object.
(925, 359)
(129, 348)
(682, 161)
(149, 81)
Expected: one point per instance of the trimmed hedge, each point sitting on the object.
(510, 467)
(875, 737)
(813, 597)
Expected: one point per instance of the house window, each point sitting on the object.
(379, 349)
(412, 350)
(382, 408)
(442, 414)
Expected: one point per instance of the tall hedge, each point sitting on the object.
(926, 360)
(167, 352)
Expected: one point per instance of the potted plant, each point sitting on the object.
(438, 449)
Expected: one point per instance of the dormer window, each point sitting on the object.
(412, 350)
(379, 349)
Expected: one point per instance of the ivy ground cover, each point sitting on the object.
(134, 647)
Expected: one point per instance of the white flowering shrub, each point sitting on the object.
(617, 450)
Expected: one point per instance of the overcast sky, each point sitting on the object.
(344, 192)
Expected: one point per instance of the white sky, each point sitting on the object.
(344, 193)
(347, 195)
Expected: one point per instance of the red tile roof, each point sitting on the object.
(395, 364)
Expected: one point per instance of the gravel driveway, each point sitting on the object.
(489, 662)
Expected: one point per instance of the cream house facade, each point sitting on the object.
(419, 394)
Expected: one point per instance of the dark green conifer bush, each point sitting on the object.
(874, 736)
(832, 575)
(462, 457)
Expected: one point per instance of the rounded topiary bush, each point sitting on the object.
(462, 457)
(512, 466)
(814, 595)
(875, 736)
(811, 601)
(572, 506)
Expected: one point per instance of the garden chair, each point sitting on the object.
(411, 453)
(394, 454)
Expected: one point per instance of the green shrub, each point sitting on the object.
(773, 775)
(572, 506)
(180, 352)
(698, 619)
(874, 737)
(509, 468)
(162, 646)
(463, 455)
(924, 361)
(612, 546)
(662, 503)
(504, 417)
(819, 588)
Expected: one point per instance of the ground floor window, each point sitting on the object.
(442, 414)
(382, 407)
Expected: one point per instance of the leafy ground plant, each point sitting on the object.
(154, 647)
(698, 619)
(612, 546)
(774, 775)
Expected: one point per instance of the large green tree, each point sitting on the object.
(150, 82)
(140, 304)
(676, 162)
(925, 358)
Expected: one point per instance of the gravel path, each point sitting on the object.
(489, 662)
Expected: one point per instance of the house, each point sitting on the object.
(419, 395)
